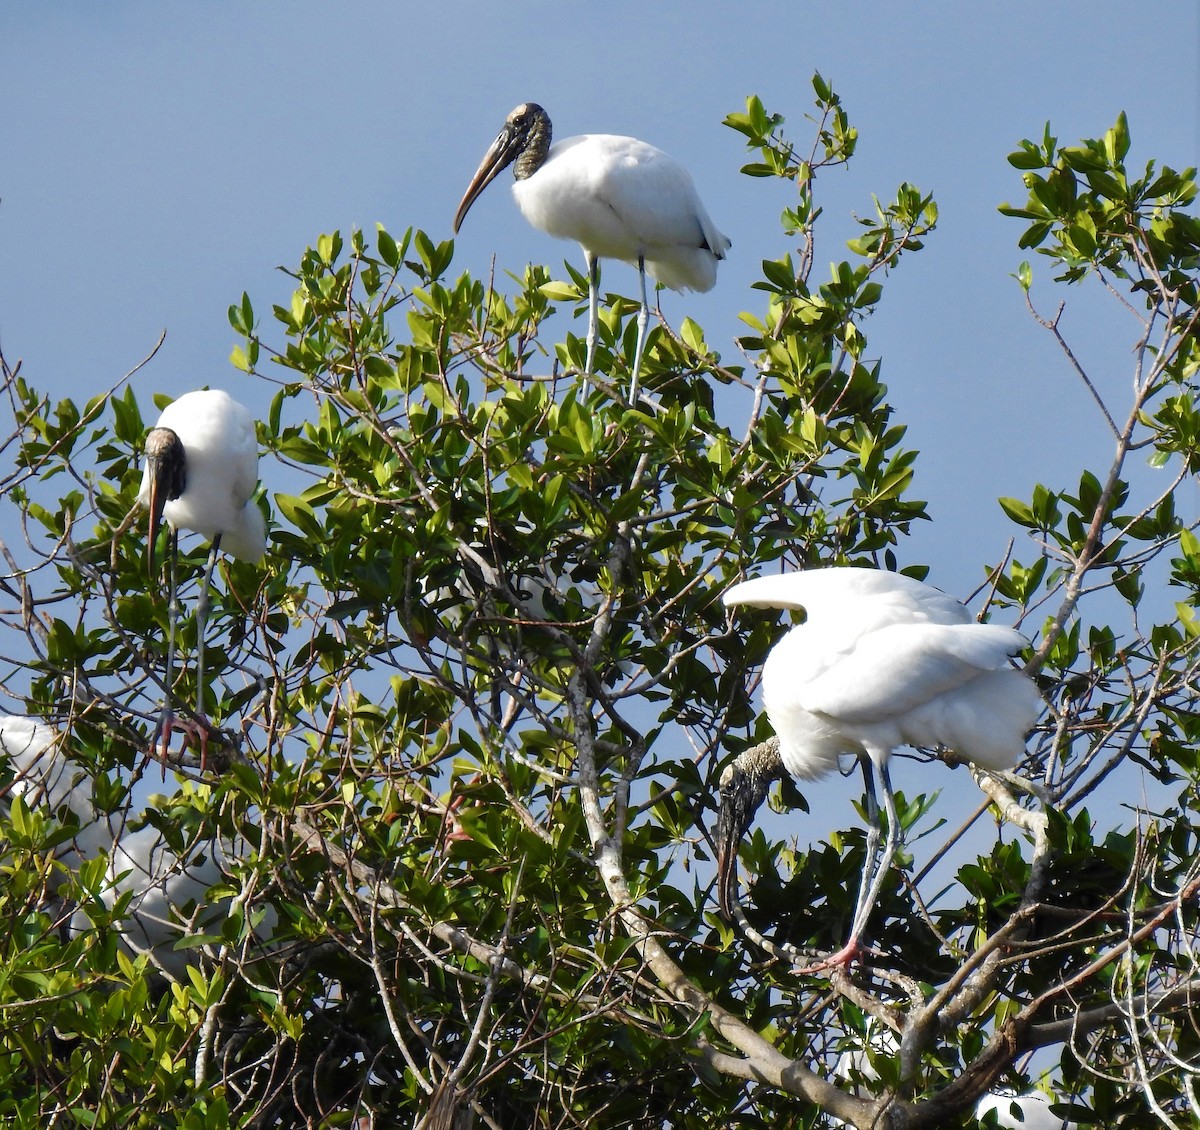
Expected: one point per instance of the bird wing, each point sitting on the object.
(836, 595)
(898, 668)
(244, 460)
(651, 193)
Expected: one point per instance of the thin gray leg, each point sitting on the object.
(166, 714)
(868, 898)
(642, 322)
(874, 835)
(593, 270)
(202, 622)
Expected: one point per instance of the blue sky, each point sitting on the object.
(159, 159)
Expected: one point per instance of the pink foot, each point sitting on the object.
(844, 957)
(453, 830)
(195, 734)
(160, 743)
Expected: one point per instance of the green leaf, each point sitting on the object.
(1019, 512)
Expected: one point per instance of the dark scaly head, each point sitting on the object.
(744, 786)
(525, 139)
(166, 467)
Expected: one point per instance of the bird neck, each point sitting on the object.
(165, 451)
(537, 146)
(762, 765)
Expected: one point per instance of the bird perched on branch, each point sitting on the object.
(163, 893)
(200, 473)
(617, 197)
(881, 661)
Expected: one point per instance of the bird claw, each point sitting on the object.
(196, 733)
(844, 957)
(160, 740)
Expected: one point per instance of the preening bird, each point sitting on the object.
(201, 470)
(617, 197)
(881, 661)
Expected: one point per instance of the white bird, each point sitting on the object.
(881, 661)
(200, 473)
(167, 894)
(618, 197)
(1030, 1111)
(47, 781)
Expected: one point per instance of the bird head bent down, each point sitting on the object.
(166, 476)
(744, 786)
(525, 139)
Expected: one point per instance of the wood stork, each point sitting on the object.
(1030, 1111)
(201, 469)
(164, 892)
(166, 896)
(617, 197)
(48, 781)
(881, 661)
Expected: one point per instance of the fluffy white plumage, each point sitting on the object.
(47, 781)
(168, 896)
(621, 198)
(220, 454)
(880, 662)
(168, 893)
(1030, 1111)
(884, 661)
(617, 197)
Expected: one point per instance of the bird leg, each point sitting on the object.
(166, 716)
(201, 624)
(869, 893)
(862, 906)
(202, 620)
(875, 867)
(642, 321)
(593, 270)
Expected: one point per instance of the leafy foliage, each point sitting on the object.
(475, 702)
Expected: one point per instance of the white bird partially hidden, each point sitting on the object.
(164, 895)
(617, 197)
(1030, 1110)
(46, 780)
(167, 896)
(882, 661)
(200, 473)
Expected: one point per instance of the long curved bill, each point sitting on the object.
(158, 499)
(732, 821)
(165, 466)
(501, 154)
(726, 873)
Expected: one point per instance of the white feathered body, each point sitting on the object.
(884, 661)
(49, 782)
(221, 449)
(168, 894)
(621, 198)
(1032, 1112)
